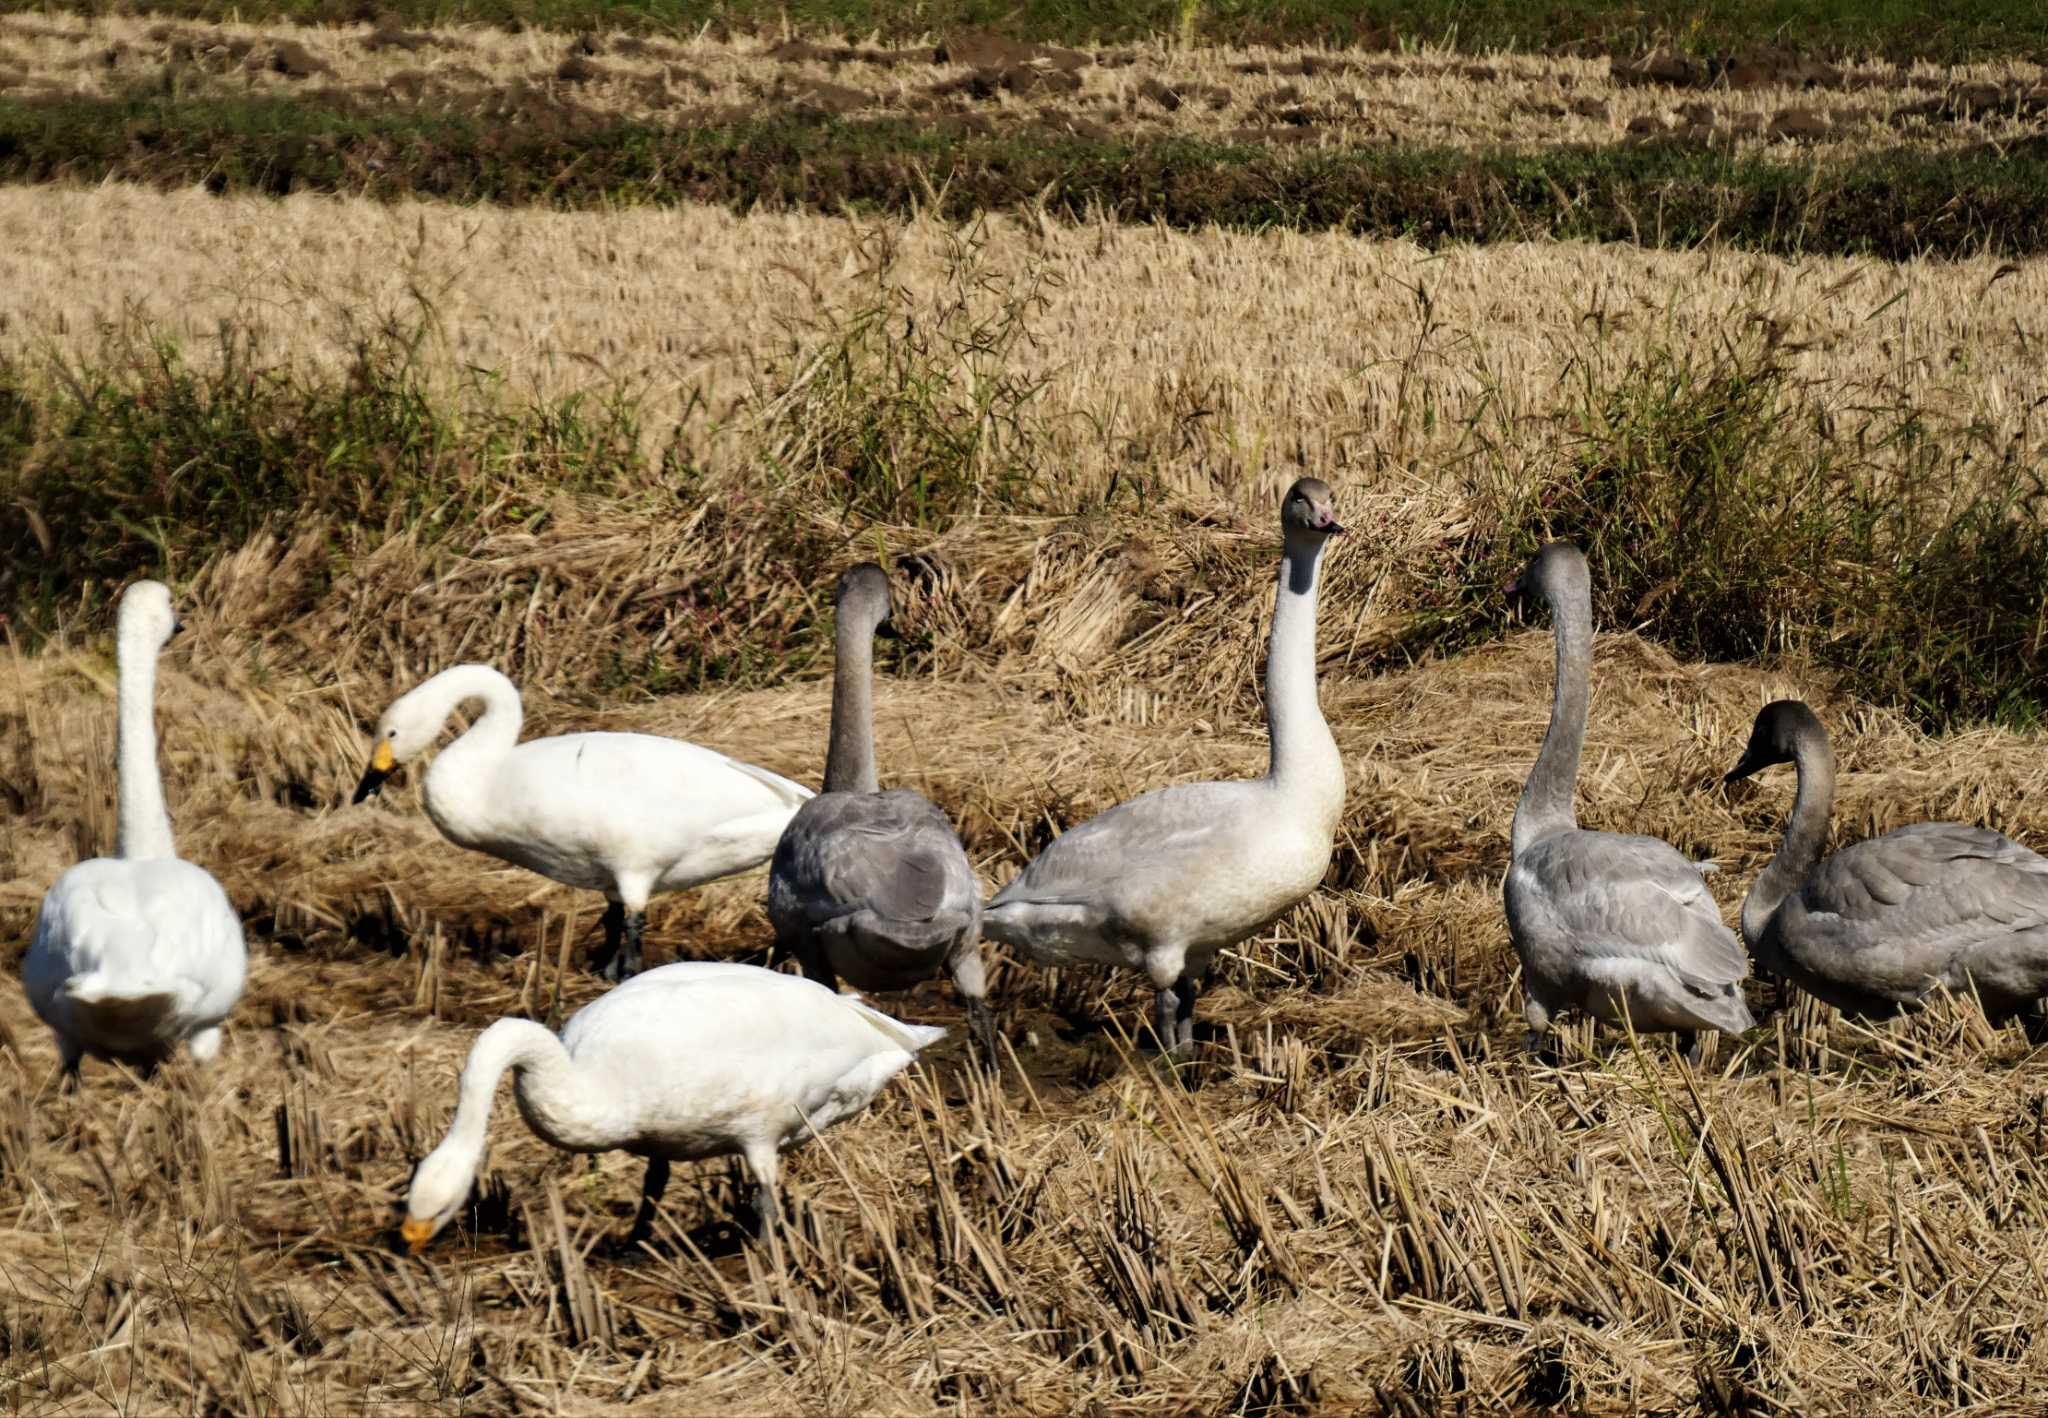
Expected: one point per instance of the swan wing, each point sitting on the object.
(735, 1049)
(111, 928)
(1937, 901)
(892, 853)
(1627, 900)
(1149, 837)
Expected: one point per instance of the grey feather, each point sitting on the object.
(1883, 923)
(880, 881)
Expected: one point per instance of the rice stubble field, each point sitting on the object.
(621, 451)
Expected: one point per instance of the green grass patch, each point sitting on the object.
(157, 464)
(1897, 29)
(1895, 204)
(1734, 514)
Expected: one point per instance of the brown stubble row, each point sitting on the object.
(1367, 1197)
(1247, 96)
(1210, 361)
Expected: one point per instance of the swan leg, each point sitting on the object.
(607, 955)
(1538, 1015)
(1689, 1046)
(1186, 992)
(69, 1053)
(627, 962)
(766, 1165)
(811, 957)
(2034, 1020)
(652, 1184)
(205, 1045)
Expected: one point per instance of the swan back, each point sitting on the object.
(129, 958)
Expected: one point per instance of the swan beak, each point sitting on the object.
(382, 766)
(416, 1233)
(1333, 528)
(1744, 769)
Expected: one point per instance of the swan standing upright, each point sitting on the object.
(134, 953)
(869, 885)
(626, 814)
(1618, 926)
(1877, 926)
(1165, 881)
(692, 1060)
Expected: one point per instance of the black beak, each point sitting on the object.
(177, 626)
(1333, 528)
(1751, 763)
(887, 631)
(373, 779)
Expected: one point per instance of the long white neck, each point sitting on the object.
(557, 1102)
(1306, 764)
(1806, 833)
(458, 784)
(850, 760)
(145, 824)
(1546, 805)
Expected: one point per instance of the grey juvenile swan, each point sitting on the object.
(1165, 881)
(1603, 922)
(1874, 928)
(868, 885)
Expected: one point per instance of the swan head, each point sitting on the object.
(1555, 574)
(863, 598)
(1310, 509)
(407, 730)
(148, 619)
(440, 1186)
(1782, 729)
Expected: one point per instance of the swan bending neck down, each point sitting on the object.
(630, 815)
(1164, 882)
(1878, 926)
(691, 1060)
(872, 886)
(134, 953)
(1621, 927)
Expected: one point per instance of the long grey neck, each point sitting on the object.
(1546, 805)
(145, 823)
(1806, 834)
(1305, 758)
(850, 760)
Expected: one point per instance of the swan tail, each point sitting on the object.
(911, 1037)
(1728, 1013)
(127, 1006)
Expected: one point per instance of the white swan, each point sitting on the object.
(1165, 881)
(626, 814)
(869, 885)
(692, 1060)
(136, 952)
(1877, 926)
(1614, 925)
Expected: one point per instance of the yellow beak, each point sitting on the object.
(381, 765)
(417, 1233)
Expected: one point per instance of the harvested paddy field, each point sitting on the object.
(1765, 146)
(984, 86)
(1042, 316)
